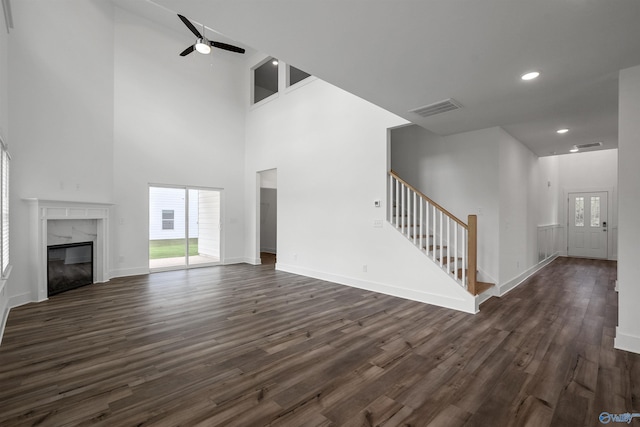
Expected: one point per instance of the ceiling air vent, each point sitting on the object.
(437, 108)
(589, 145)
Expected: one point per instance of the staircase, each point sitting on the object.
(443, 238)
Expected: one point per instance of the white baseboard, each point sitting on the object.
(484, 297)
(626, 342)
(12, 302)
(516, 281)
(3, 321)
(467, 306)
(21, 299)
(241, 260)
(126, 272)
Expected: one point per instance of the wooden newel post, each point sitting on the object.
(472, 253)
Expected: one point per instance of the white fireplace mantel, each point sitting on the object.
(41, 212)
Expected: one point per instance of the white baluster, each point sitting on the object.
(464, 258)
(434, 232)
(415, 219)
(441, 233)
(408, 215)
(403, 209)
(448, 242)
(390, 199)
(397, 200)
(408, 212)
(422, 202)
(455, 250)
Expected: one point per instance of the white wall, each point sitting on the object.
(461, 173)
(4, 80)
(178, 120)
(330, 149)
(520, 210)
(4, 133)
(628, 331)
(491, 174)
(550, 190)
(61, 113)
(99, 118)
(582, 172)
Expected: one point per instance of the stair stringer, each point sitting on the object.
(434, 285)
(482, 276)
(398, 269)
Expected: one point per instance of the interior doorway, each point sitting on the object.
(184, 227)
(588, 225)
(268, 216)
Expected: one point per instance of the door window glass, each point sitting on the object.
(579, 216)
(595, 211)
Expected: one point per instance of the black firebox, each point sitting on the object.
(69, 266)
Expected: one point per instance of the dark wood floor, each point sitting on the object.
(250, 346)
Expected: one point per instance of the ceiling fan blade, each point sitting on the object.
(188, 50)
(225, 46)
(190, 26)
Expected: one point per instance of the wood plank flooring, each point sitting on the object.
(251, 346)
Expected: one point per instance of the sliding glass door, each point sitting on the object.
(184, 227)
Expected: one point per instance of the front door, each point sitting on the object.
(588, 225)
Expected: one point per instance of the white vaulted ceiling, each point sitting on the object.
(404, 54)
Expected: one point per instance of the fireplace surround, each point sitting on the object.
(55, 222)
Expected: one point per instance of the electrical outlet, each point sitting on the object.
(364, 268)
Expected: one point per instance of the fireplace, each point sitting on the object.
(69, 266)
(57, 222)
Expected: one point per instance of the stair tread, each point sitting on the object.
(447, 260)
(483, 286)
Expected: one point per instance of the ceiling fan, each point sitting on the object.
(203, 45)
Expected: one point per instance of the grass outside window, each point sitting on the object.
(171, 248)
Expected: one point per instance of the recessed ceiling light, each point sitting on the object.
(530, 75)
(574, 150)
(274, 62)
(564, 130)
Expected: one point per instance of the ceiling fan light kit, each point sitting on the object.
(204, 45)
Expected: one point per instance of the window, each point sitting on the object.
(265, 80)
(4, 207)
(296, 75)
(579, 219)
(167, 219)
(595, 211)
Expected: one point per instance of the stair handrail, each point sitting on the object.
(472, 234)
(421, 194)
